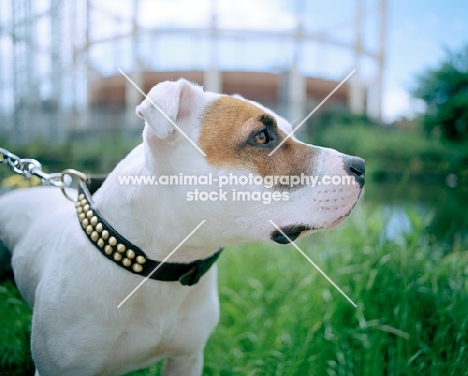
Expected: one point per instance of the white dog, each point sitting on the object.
(74, 276)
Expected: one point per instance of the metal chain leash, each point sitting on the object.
(28, 168)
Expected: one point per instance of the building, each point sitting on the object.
(60, 59)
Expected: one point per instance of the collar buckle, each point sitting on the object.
(200, 267)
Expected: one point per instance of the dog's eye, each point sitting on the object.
(261, 138)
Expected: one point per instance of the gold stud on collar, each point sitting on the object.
(140, 260)
(126, 262)
(137, 268)
(99, 234)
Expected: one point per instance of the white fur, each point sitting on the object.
(74, 291)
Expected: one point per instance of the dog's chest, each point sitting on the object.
(138, 346)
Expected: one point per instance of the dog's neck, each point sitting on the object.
(155, 219)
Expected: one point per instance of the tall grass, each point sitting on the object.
(279, 316)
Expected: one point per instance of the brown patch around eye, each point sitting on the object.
(234, 121)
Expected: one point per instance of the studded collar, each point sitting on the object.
(122, 252)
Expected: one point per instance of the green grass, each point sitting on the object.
(279, 316)
(15, 329)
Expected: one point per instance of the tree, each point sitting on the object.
(445, 92)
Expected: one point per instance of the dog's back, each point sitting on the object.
(7, 232)
(23, 216)
(20, 208)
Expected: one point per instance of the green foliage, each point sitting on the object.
(409, 318)
(15, 324)
(445, 91)
(396, 151)
(98, 156)
(342, 118)
(279, 316)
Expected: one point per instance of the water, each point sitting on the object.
(443, 209)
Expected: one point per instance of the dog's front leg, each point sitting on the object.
(191, 365)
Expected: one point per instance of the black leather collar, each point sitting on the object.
(125, 254)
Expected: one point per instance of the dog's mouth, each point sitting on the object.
(292, 232)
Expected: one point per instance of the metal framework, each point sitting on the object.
(47, 64)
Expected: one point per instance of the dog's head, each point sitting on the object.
(299, 187)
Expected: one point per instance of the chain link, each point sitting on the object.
(28, 167)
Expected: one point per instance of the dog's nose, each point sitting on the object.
(356, 167)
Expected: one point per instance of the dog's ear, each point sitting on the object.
(174, 101)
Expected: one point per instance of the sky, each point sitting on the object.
(418, 31)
